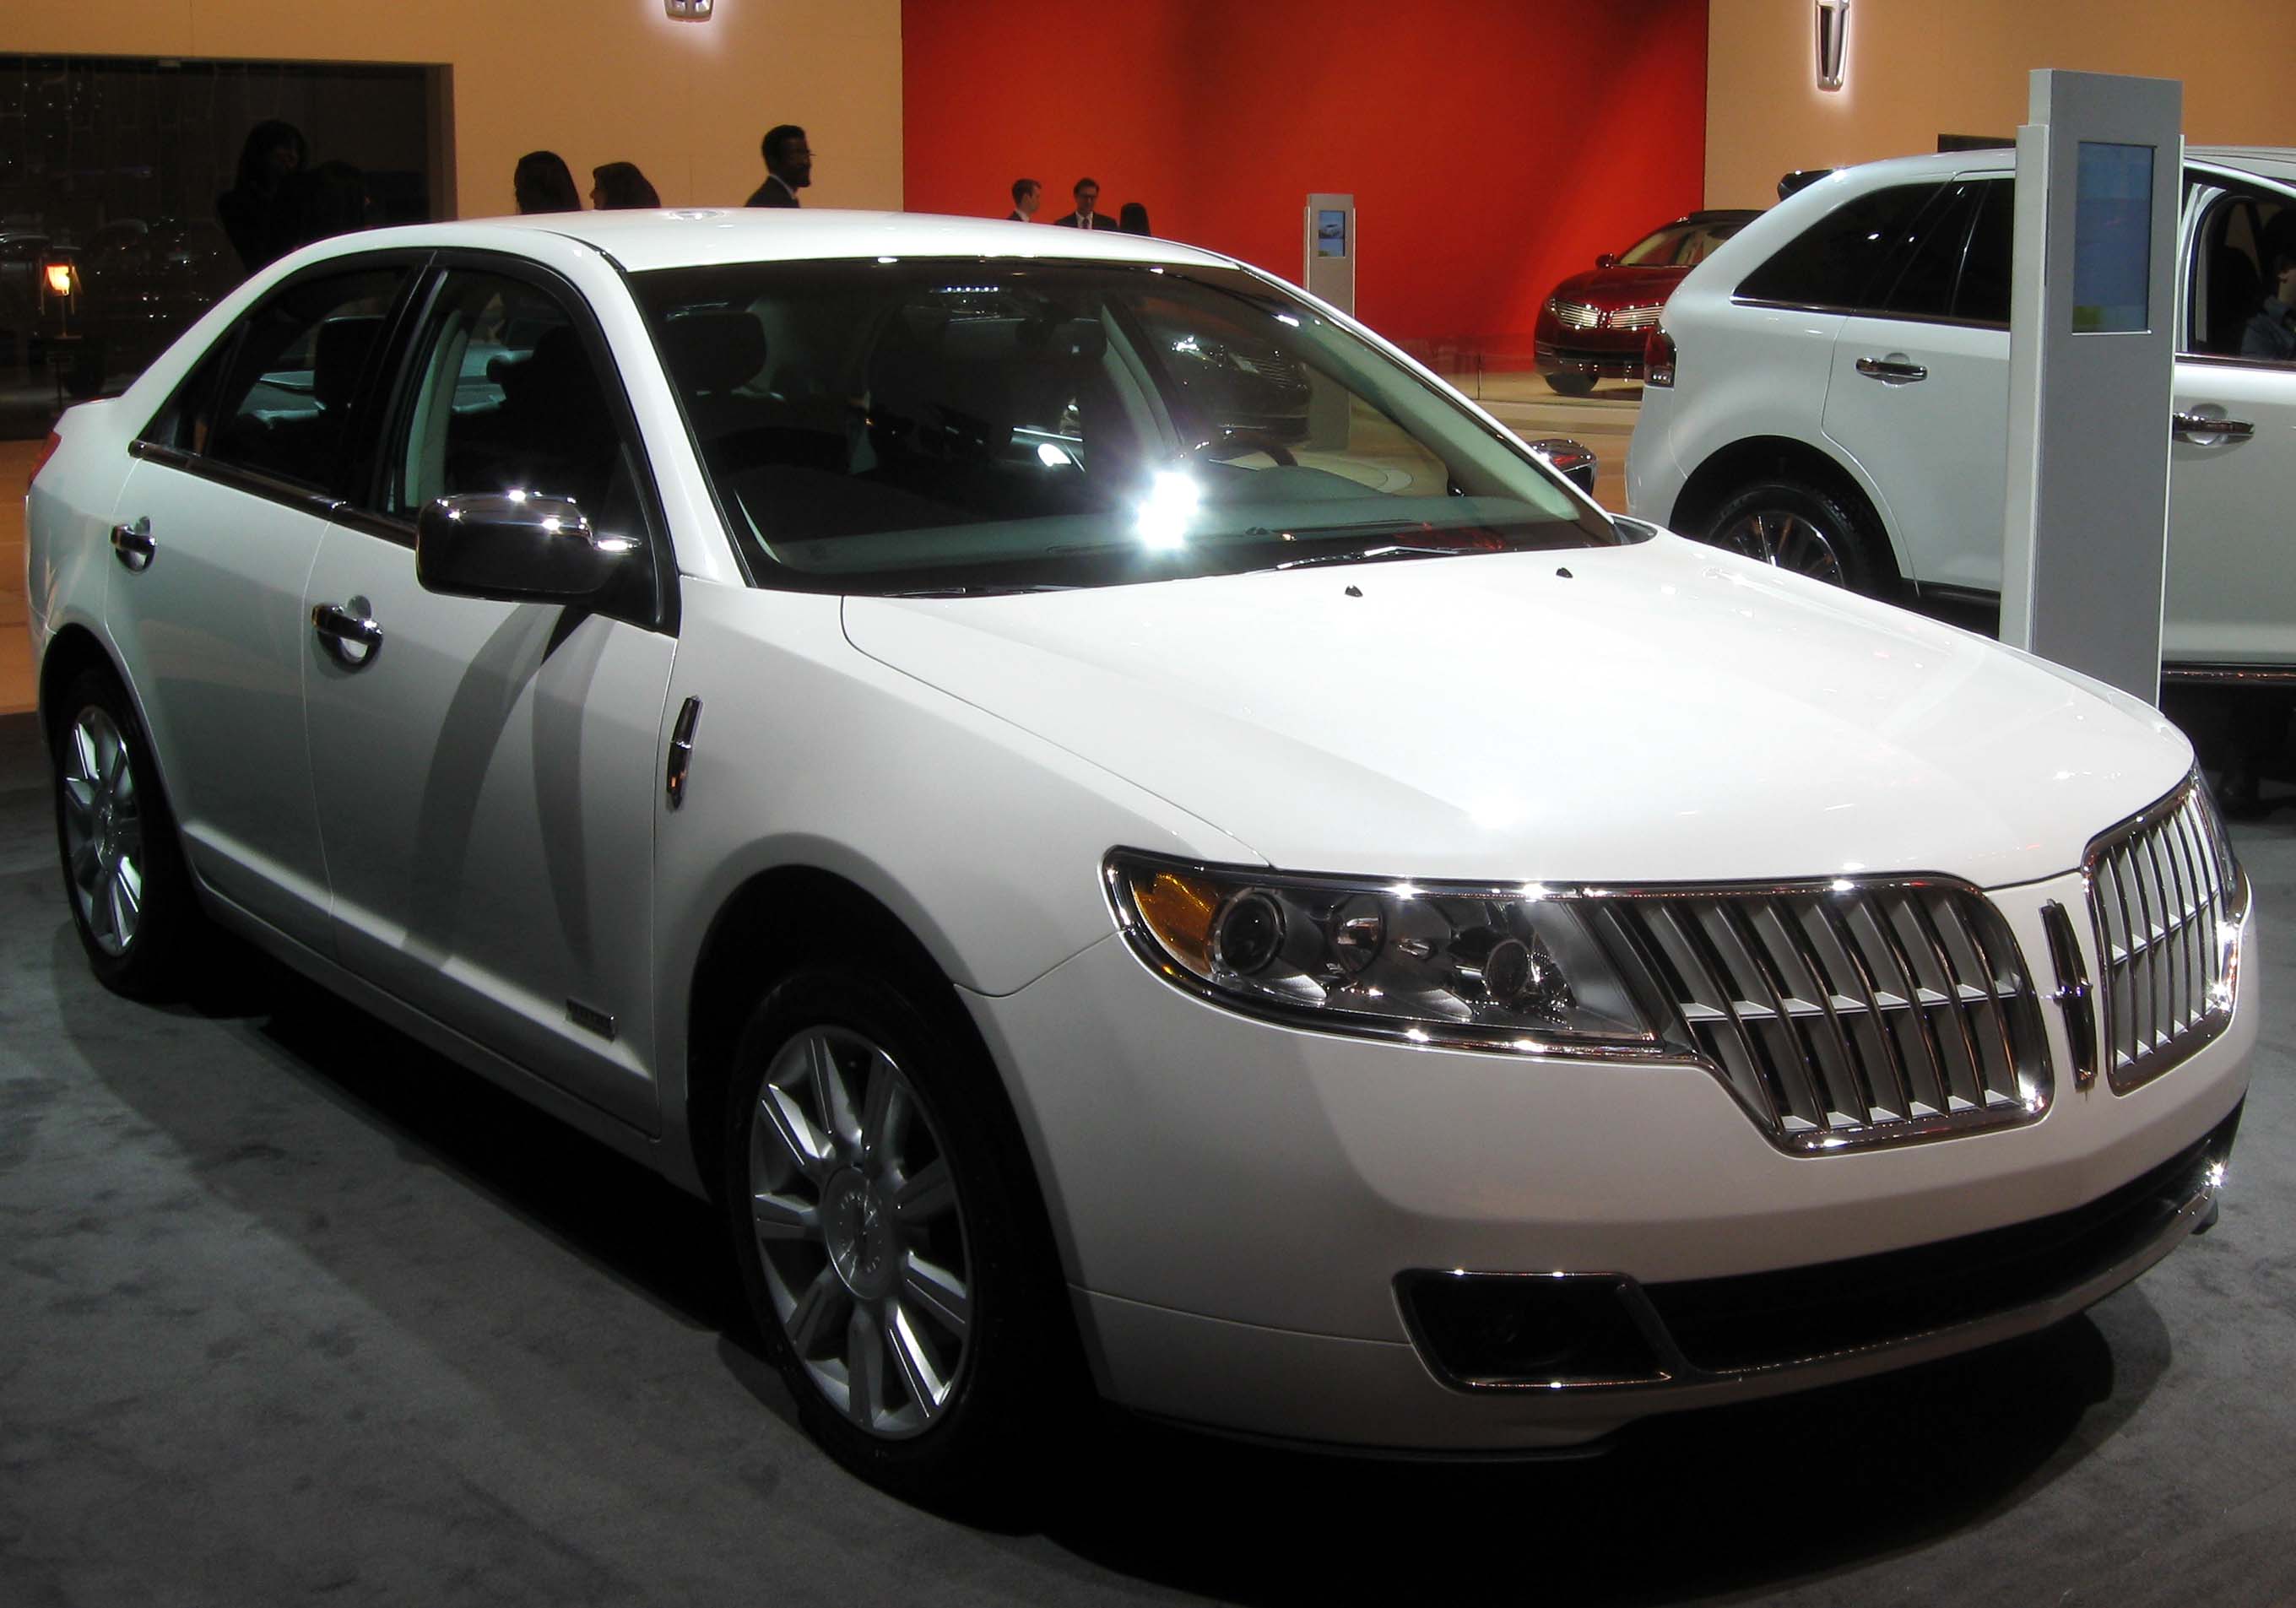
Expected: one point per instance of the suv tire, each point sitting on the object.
(1798, 526)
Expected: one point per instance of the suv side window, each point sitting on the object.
(1931, 268)
(1983, 296)
(283, 404)
(2233, 279)
(1837, 260)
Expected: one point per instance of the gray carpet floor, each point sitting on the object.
(290, 1308)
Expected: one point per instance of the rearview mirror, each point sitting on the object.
(1573, 462)
(515, 548)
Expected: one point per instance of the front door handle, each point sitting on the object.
(134, 546)
(2189, 425)
(1890, 371)
(349, 632)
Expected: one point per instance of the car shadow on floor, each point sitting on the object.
(1726, 1498)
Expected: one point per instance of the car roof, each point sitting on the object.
(678, 237)
(2265, 161)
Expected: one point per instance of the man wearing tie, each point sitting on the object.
(1088, 198)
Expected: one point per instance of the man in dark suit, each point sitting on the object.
(789, 167)
(1085, 217)
(1027, 193)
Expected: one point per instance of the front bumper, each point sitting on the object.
(1550, 358)
(1237, 1200)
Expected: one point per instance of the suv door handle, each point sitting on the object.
(349, 632)
(1890, 371)
(2195, 425)
(134, 546)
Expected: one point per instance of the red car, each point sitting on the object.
(1593, 325)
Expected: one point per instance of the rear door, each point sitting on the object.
(1919, 392)
(488, 773)
(222, 516)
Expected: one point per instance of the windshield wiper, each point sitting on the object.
(1004, 591)
(1359, 556)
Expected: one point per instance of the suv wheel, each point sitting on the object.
(878, 1216)
(1799, 528)
(1570, 385)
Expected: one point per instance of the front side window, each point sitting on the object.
(1842, 259)
(931, 425)
(2242, 299)
(291, 381)
(508, 397)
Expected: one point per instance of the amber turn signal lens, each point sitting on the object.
(60, 279)
(1180, 910)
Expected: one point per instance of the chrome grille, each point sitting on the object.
(2167, 899)
(1636, 318)
(1849, 1013)
(1577, 316)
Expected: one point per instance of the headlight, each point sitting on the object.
(1519, 968)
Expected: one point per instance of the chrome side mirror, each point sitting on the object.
(515, 546)
(1573, 462)
(1608, 260)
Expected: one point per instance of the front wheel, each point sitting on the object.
(879, 1217)
(1798, 526)
(1571, 385)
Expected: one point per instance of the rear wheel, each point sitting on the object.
(1799, 527)
(879, 1214)
(132, 901)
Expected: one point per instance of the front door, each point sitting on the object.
(488, 773)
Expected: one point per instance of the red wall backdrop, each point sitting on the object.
(1492, 146)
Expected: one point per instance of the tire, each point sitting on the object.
(1798, 526)
(850, 1108)
(131, 895)
(1571, 385)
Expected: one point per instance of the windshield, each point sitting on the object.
(1678, 245)
(940, 426)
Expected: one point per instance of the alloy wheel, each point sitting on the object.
(860, 1232)
(104, 830)
(1787, 540)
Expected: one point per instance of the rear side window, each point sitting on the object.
(1925, 276)
(1983, 294)
(284, 400)
(1841, 259)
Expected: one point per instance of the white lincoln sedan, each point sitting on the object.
(1134, 841)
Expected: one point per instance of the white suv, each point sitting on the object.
(1830, 392)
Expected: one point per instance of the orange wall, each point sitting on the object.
(1492, 146)
(1922, 67)
(595, 80)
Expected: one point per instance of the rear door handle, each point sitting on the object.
(349, 632)
(1890, 371)
(134, 546)
(2197, 424)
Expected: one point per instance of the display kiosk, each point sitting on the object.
(2092, 350)
(1331, 251)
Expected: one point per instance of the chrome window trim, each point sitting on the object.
(1674, 1044)
(1881, 314)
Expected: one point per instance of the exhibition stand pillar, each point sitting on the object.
(2092, 350)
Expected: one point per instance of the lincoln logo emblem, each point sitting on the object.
(1833, 42)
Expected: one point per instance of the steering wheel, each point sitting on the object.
(1233, 443)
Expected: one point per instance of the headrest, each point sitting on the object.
(340, 355)
(715, 351)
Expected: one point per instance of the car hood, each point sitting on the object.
(1658, 712)
(1621, 287)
